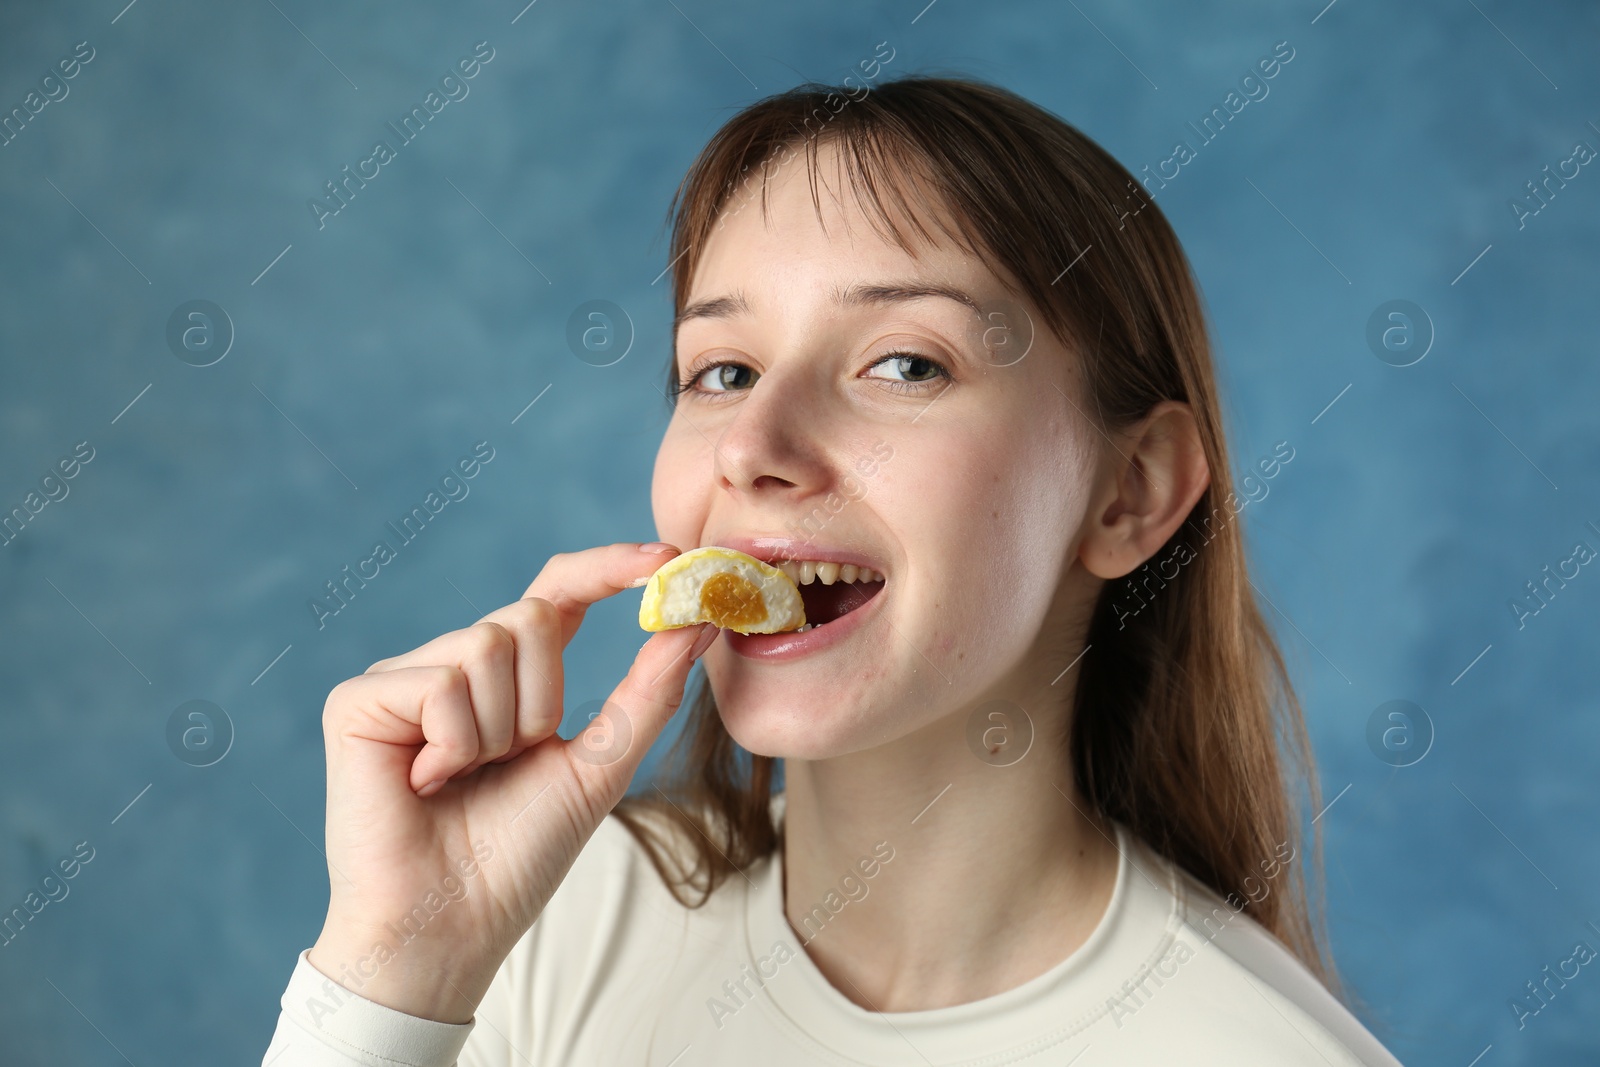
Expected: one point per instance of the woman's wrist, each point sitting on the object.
(407, 978)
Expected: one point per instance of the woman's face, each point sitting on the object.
(838, 411)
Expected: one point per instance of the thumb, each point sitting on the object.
(609, 750)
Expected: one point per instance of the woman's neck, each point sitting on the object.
(994, 874)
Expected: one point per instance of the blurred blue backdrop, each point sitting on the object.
(371, 352)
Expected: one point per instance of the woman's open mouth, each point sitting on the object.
(831, 590)
(838, 598)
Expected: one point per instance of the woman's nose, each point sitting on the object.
(772, 443)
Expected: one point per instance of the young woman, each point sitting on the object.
(1042, 768)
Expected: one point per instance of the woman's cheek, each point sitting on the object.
(677, 490)
(949, 513)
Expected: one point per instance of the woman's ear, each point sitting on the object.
(1150, 476)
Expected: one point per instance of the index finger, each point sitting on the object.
(574, 580)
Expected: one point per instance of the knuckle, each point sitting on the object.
(490, 644)
(540, 612)
(343, 693)
(642, 693)
(445, 682)
(333, 708)
(535, 618)
(537, 722)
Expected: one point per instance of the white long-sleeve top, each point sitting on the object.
(616, 972)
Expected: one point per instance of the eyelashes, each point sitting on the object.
(720, 369)
(940, 373)
(688, 382)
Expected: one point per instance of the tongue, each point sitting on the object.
(825, 603)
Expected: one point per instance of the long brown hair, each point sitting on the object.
(1186, 727)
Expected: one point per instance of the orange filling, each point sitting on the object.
(732, 602)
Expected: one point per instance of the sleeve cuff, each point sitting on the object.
(319, 1013)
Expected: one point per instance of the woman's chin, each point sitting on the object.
(831, 714)
(778, 725)
(782, 731)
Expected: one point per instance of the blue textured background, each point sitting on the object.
(416, 324)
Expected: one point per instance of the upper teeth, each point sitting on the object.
(804, 572)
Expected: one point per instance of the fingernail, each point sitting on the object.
(637, 582)
(659, 548)
(431, 788)
(703, 642)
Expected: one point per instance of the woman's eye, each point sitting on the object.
(907, 367)
(725, 378)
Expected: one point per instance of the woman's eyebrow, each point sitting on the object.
(724, 307)
(721, 307)
(894, 292)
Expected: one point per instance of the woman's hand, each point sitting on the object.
(454, 809)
